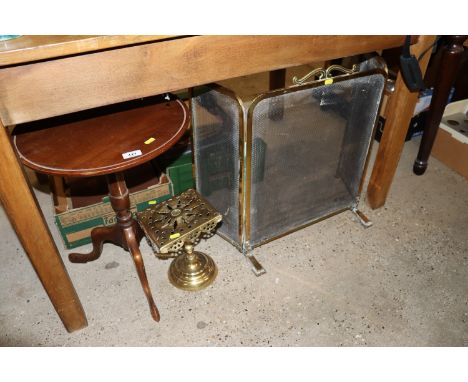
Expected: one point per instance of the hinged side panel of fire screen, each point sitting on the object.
(217, 122)
(308, 146)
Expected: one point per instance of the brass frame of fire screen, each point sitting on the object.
(246, 138)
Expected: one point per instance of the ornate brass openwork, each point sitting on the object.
(173, 227)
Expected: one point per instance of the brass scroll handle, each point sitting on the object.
(323, 74)
(314, 73)
(339, 68)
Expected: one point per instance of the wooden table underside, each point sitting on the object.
(41, 77)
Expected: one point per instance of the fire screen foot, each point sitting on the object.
(363, 219)
(257, 268)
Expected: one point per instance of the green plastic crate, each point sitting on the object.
(179, 170)
(181, 178)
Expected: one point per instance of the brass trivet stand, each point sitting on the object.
(173, 227)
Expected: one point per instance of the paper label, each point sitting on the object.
(131, 154)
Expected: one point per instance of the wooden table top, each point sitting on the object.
(32, 48)
(103, 140)
(42, 80)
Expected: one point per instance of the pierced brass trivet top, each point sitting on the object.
(175, 226)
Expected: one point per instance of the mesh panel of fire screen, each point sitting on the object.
(312, 155)
(216, 120)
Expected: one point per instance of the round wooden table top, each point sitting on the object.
(104, 140)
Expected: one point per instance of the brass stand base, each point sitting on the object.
(192, 271)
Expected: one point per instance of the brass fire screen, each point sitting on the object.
(291, 157)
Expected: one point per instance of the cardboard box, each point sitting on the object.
(451, 143)
(88, 205)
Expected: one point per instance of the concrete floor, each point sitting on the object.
(400, 283)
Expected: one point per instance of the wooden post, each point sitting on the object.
(26, 218)
(59, 196)
(277, 81)
(399, 112)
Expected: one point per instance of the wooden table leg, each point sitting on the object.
(398, 114)
(26, 218)
(451, 58)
